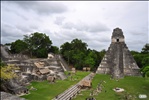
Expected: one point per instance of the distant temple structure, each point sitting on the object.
(118, 60)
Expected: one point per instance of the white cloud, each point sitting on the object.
(41, 7)
(59, 20)
(81, 26)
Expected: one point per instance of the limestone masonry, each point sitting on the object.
(118, 60)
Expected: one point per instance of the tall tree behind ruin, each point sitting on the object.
(145, 49)
(38, 44)
(77, 54)
(19, 46)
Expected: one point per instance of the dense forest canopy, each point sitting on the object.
(77, 54)
(142, 59)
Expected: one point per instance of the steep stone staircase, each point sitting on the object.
(63, 63)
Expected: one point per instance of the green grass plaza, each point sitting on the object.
(133, 87)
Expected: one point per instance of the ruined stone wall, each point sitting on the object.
(113, 40)
(130, 66)
(117, 70)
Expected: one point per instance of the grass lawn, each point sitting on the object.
(47, 91)
(133, 86)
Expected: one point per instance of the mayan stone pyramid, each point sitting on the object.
(118, 61)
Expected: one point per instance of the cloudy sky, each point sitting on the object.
(90, 21)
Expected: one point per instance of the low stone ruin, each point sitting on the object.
(8, 96)
(6, 55)
(51, 79)
(117, 89)
(50, 55)
(73, 70)
(33, 70)
(86, 68)
(15, 87)
(86, 83)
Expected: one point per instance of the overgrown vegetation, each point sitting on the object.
(77, 54)
(142, 59)
(34, 45)
(6, 73)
